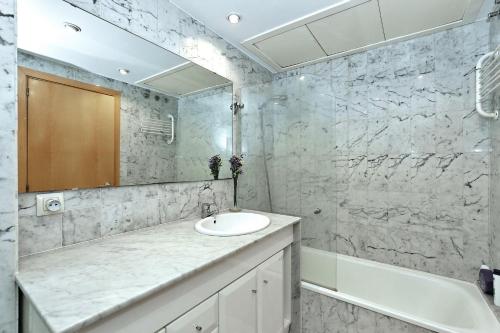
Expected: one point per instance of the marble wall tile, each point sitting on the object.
(323, 314)
(9, 327)
(408, 149)
(79, 225)
(449, 133)
(115, 218)
(164, 24)
(95, 213)
(37, 234)
(494, 193)
(204, 129)
(92, 6)
(433, 250)
(8, 167)
(422, 133)
(139, 17)
(8, 264)
(476, 132)
(423, 94)
(253, 184)
(169, 27)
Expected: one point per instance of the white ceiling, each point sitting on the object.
(258, 16)
(263, 17)
(101, 48)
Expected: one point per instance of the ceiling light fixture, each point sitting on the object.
(72, 27)
(234, 18)
(123, 71)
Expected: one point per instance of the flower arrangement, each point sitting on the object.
(214, 163)
(236, 166)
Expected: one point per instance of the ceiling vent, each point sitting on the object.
(356, 25)
(407, 17)
(292, 47)
(184, 79)
(350, 29)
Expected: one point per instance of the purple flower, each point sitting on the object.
(214, 163)
(236, 163)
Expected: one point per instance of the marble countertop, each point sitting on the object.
(77, 285)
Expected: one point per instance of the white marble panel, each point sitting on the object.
(96, 213)
(37, 234)
(80, 225)
(323, 314)
(407, 146)
(8, 167)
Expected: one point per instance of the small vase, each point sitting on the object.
(235, 196)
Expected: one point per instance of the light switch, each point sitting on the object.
(49, 204)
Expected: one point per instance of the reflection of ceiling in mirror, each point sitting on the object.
(185, 79)
(100, 47)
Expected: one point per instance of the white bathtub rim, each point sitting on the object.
(405, 316)
(380, 309)
(432, 277)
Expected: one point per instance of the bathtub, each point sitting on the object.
(433, 302)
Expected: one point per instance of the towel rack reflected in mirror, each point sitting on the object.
(160, 127)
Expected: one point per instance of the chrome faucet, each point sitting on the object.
(206, 210)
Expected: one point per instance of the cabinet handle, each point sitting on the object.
(198, 328)
(266, 282)
(254, 291)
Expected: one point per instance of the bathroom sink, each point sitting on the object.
(232, 224)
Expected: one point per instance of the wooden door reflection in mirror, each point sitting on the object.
(68, 134)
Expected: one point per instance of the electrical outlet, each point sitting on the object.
(49, 204)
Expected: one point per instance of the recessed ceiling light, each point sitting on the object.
(123, 71)
(233, 18)
(72, 27)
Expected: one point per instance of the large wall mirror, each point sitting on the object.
(99, 106)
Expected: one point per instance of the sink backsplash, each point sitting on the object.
(96, 213)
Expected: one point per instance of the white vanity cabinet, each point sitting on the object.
(254, 303)
(238, 305)
(202, 319)
(248, 291)
(271, 295)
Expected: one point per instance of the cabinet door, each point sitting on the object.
(238, 306)
(201, 319)
(270, 295)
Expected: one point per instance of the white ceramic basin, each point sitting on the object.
(232, 224)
